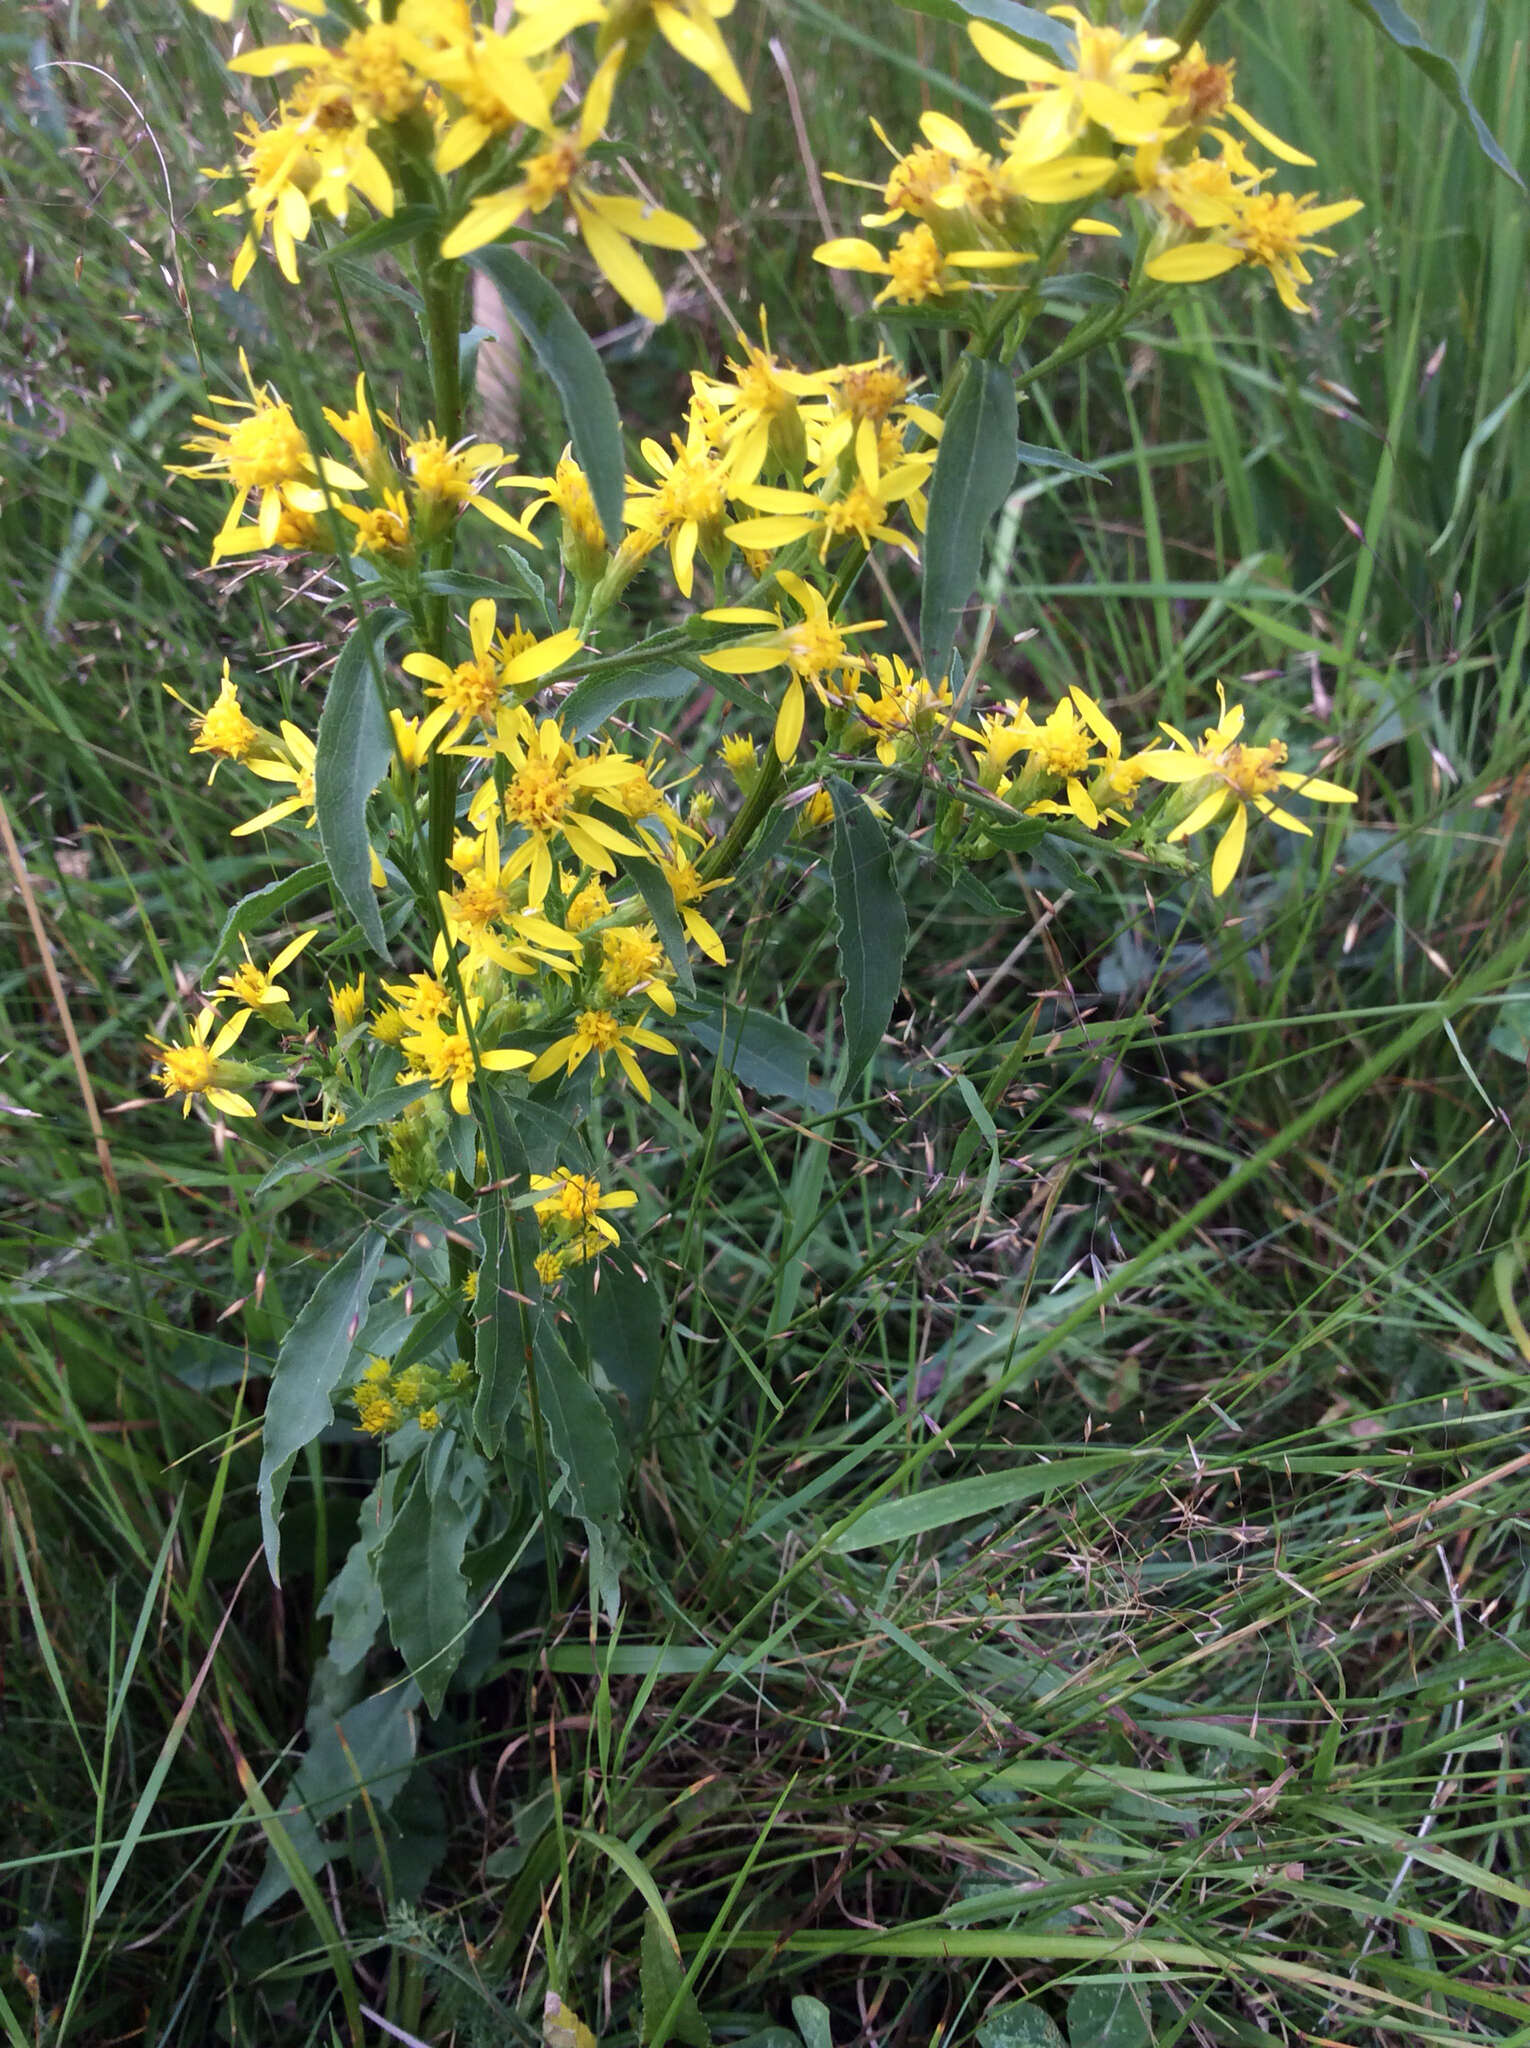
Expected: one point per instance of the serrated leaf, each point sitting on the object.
(1029, 24)
(1445, 76)
(763, 1052)
(897, 1521)
(309, 1366)
(568, 358)
(979, 452)
(664, 1986)
(660, 900)
(583, 1442)
(590, 703)
(873, 926)
(262, 904)
(355, 747)
(424, 1589)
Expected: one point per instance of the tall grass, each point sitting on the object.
(1189, 1245)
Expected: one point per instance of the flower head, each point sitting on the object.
(451, 1054)
(502, 665)
(198, 1067)
(1225, 774)
(256, 989)
(812, 650)
(548, 793)
(595, 1034)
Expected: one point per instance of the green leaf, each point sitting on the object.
(590, 703)
(623, 1322)
(663, 1982)
(1396, 26)
(895, 1521)
(424, 1589)
(352, 1601)
(519, 584)
(1029, 24)
(873, 926)
(354, 750)
(320, 1152)
(1466, 469)
(979, 452)
(1021, 2026)
(402, 226)
(502, 1321)
(262, 904)
(568, 358)
(584, 1444)
(1109, 2012)
(764, 1053)
(308, 1369)
(1034, 456)
(811, 2018)
(660, 900)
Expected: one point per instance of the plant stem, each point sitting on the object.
(441, 290)
(1197, 14)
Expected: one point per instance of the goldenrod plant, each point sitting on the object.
(530, 893)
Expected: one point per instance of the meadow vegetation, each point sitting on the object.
(1073, 1589)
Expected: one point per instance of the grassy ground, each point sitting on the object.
(1211, 1730)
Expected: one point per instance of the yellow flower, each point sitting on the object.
(199, 1068)
(587, 906)
(687, 509)
(1222, 771)
(907, 707)
(859, 508)
(497, 87)
(382, 529)
(740, 757)
(917, 269)
(547, 794)
(483, 917)
(224, 731)
(572, 1204)
(446, 480)
(687, 888)
(1270, 229)
(759, 413)
(1111, 74)
(295, 766)
(347, 1003)
(265, 454)
(812, 649)
(599, 1032)
(632, 962)
(609, 223)
(255, 988)
(314, 153)
(447, 1058)
(1198, 93)
(877, 391)
(501, 664)
(584, 550)
(379, 69)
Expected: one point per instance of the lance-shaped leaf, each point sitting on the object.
(352, 756)
(873, 926)
(1398, 28)
(308, 1369)
(973, 473)
(582, 1440)
(424, 1588)
(1028, 24)
(568, 358)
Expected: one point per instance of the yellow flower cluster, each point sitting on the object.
(424, 89)
(414, 486)
(570, 1219)
(1128, 119)
(385, 1399)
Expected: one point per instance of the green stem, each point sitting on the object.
(441, 291)
(1197, 14)
(724, 857)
